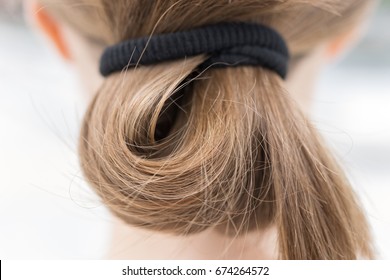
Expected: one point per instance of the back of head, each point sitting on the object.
(228, 149)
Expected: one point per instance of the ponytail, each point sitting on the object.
(238, 156)
(226, 149)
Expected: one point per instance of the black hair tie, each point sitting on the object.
(227, 44)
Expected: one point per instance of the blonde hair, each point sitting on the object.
(228, 150)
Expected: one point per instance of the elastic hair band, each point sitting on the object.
(226, 44)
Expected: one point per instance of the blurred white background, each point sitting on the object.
(48, 212)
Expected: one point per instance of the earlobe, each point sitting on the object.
(337, 47)
(343, 43)
(50, 26)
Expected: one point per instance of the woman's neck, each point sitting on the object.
(132, 243)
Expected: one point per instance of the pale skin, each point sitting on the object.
(128, 242)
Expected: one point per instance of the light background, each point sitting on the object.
(47, 212)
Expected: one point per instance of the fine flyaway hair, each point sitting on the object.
(228, 149)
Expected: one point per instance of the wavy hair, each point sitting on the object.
(228, 150)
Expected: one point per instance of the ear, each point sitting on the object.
(341, 44)
(50, 27)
